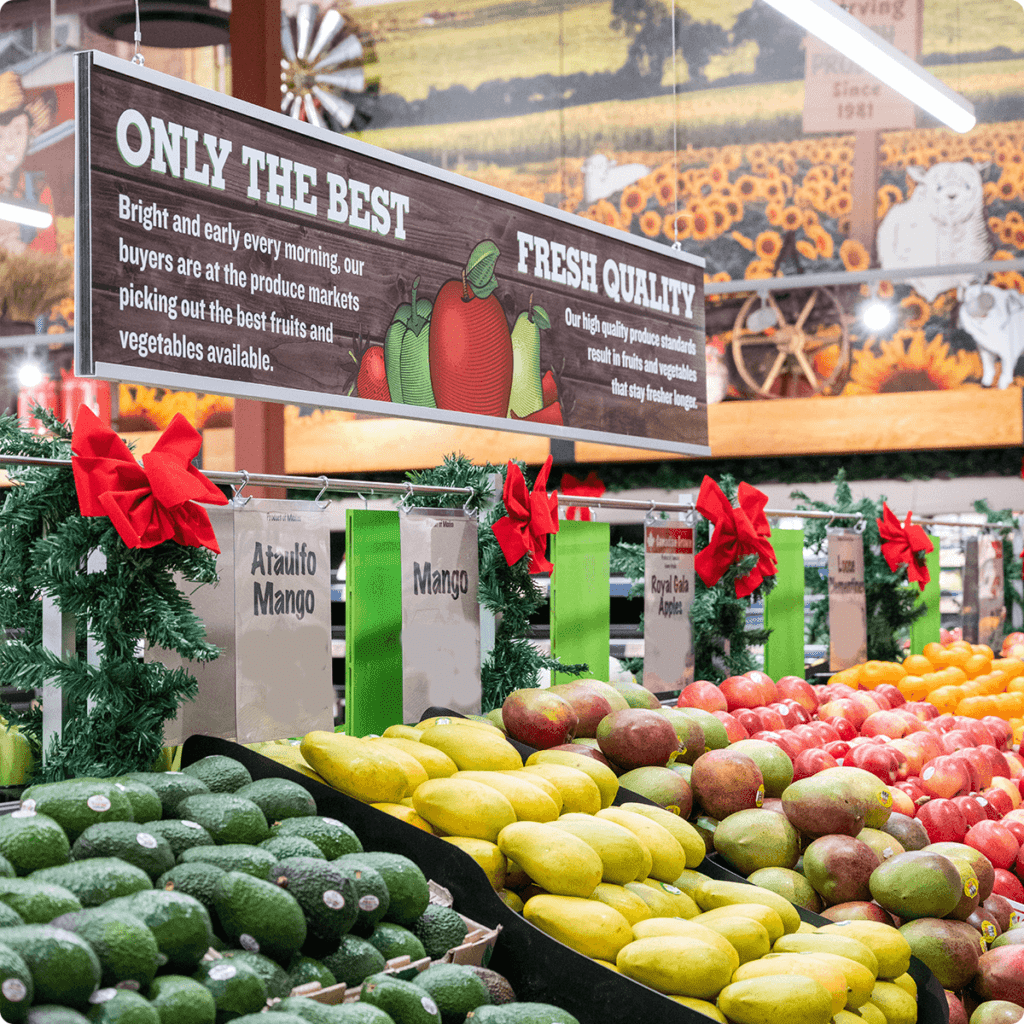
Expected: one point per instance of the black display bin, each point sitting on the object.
(539, 968)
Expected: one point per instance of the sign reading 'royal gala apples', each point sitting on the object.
(222, 247)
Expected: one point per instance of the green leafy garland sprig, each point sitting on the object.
(892, 603)
(721, 641)
(509, 591)
(45, 543)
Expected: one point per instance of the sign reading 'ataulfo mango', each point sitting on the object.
(222, 247)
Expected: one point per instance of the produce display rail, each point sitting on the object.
(538, 967)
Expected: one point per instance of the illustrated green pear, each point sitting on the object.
(527, 395)
(406, 362)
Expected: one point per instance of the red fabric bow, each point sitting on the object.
(737, 532)
(904, 544)
(590, 487)
(147, 504)
(531, 517)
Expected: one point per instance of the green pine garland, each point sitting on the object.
(892, 603)
(718, 618)
(509, 591)
(44, 545)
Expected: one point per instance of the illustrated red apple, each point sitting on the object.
(372, 380)
(741, 692)
(1007, 885)
(795, 688)
(811, 761)
(944, 777)
(971, 808)
(470, 343)
(943, 821)
(703, 695)
(734, 729)
(994, 840)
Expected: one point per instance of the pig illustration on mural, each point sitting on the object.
(942, 222)
(994, 317)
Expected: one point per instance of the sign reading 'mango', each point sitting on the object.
(222, 247)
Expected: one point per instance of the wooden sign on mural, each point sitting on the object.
(225, 248)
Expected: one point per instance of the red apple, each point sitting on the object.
(944, 777)
(912, 753)
(999, 727)
(734, 729)
(1009, 787)
(954, 740)
(766, 683)
(771, 720)
(1007, 885)
(810, 762)
(834, 691)
(971, 808)
(978, 731)
(875, 758)
(891, 694)
(885, 723)
(826, 732)
(741, 692)
(838, 749)
(808, 734)
(971, 767)
(782, 740)
(797, 689)
(913, 723)
(994, 840)
(913, 788)
(792, 712)
(703, 695)
(927, 742)
(1016, 827)
(922, 709)
(1016, 763)
(943, 821)
(749, 719)
(846, 709)
(901, 802)
(944, 723)
(843, 727)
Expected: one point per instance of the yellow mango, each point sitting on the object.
(579, 791)
(627, 903)
(436, 763)
(401, 732)
(803, 964)
(668, 857)
(528, 801)
(701, 1006)
(290, 757)
(890, 947)
(713, 894)
(620, 851)
(473, 723)
(463, 808)
(511, 900)
(765, 916)
(685, 834)
(907, 983)
(354, 767)
(558, 862)
(676, 965)
(607, 782)
(688, 881)
(487, 855)
(406, 814)
(663, 901)
(898, 1005)
(588, 926)
(474, 747)
(831, 942)
(688, 929)
(414, 770)
(610, 966)
(859, 980)
(776, 999)
(747, 936)
(540, 782)
(870, 1013)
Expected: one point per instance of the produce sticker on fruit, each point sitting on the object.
(226, 248)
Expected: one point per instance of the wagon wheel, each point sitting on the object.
(780, 341)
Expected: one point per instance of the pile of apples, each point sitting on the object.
(958, 776)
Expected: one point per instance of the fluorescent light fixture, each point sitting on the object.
(25, 215)
(843, 32)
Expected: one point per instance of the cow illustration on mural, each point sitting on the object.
(994, 317)
(942, 222)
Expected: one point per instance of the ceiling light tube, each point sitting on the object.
(844, 33)
(25, 215)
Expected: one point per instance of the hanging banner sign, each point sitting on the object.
(668, 595)
(440, 613)
(271, 616)
(226, 248)
(984, 609)
(847, 600)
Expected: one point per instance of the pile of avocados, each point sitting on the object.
(196, 897)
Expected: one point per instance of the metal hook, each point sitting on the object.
(236, 491)
(649, 517)
(366, 502)
(861, 525)
(327, 503)
(465, 505)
